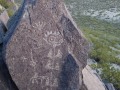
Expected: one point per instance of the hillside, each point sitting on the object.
(100, 22)
(103, 9)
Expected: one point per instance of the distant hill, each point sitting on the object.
(103, 9)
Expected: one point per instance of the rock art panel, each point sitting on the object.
(46, 51)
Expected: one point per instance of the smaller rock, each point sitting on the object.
(4, 17)
(91, 81)
(110, 86)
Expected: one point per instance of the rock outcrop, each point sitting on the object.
(44, 49)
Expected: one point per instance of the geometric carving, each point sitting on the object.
(53, 38)
(39, 25)
(44, 80)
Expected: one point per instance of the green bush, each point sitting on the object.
(8, 6)
(112, 75)
(4, 3)
(10, 12)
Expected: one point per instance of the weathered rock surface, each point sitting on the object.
(44, 48)
(6, 82)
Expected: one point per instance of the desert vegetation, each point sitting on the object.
(104, 36)
(105, 49)
(9, 6)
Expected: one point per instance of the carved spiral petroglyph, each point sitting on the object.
(53, 38)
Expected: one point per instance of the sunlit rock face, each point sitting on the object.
(46, 51)
(4, 17)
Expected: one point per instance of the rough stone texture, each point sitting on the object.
(6, 82)
(91, 81)
(46, 51)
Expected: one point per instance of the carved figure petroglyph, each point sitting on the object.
(25, 14)
(52, 54)
(54, 39)
(59, 54)
(33, 63)
(52, 65)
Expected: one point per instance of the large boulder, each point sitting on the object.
(44, 48)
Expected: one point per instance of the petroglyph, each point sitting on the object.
(59, 54)
(53, 38)
(39, 25)
(23, 59)
(34, 79)
(33, 63)
(26, 14)
(44, 80)
(52, 65)
(52, 54)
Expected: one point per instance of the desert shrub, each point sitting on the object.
(4, 3)
(10, 12)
